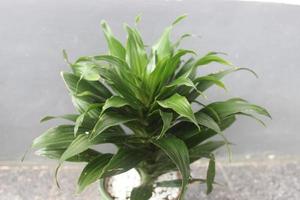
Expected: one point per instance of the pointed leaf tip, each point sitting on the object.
(102, 22)
(104, 26)
(115, 46)
(249, 70)
(167, 120)
(66, 57)
(178, 19)
(138, 18)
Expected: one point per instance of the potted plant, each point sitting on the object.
(142, 103)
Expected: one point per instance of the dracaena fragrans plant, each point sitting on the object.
(140, 98)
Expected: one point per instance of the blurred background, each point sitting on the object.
(261, 35)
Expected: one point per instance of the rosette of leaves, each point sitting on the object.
(140, 98)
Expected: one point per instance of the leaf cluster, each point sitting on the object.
(140, 99)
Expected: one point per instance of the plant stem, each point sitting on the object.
(145, 177)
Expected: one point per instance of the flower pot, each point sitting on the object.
(119, 187)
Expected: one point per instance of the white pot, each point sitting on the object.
(120, 186)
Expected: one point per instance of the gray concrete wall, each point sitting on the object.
(265, 37)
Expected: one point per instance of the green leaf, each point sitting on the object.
(226, 122)
(205, 149)
(70, 117)
(209, 122)
(164, 70)
(51, 153)
(195, 153)
(253, 117)
(191, 135)
(175, 61)
(124, 160)
(60, 137)
(110, 119)
(80, 120)
(118, 63)
(121, 140)
(94, 87)
(80, 144)
(66, 58)
(92, 171)
(177, 43)
(83, 142)
(178, 19)
(177, 151)
(135, 53)
(82, 105)
(138, 18)
(114, 45)
(210, 177)
(236, 106)
(143, 192)
(209, 80)
(114, 102)
(186, 68)
(205, 120)
(182, 81)
(211, 112)
(55, 153)
(167, 120)
(78, 123)
(87, 70)
(120, 77)
(169, 183)
(181, 106)
(177, 182)
(87, 94)
(185, 130)
(211, 57)
(163, 47)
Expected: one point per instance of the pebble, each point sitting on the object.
(120, 186)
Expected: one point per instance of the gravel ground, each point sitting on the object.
(275, 179)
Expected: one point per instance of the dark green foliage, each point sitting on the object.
(150, 94)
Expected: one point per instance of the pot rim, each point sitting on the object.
(103, 189)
